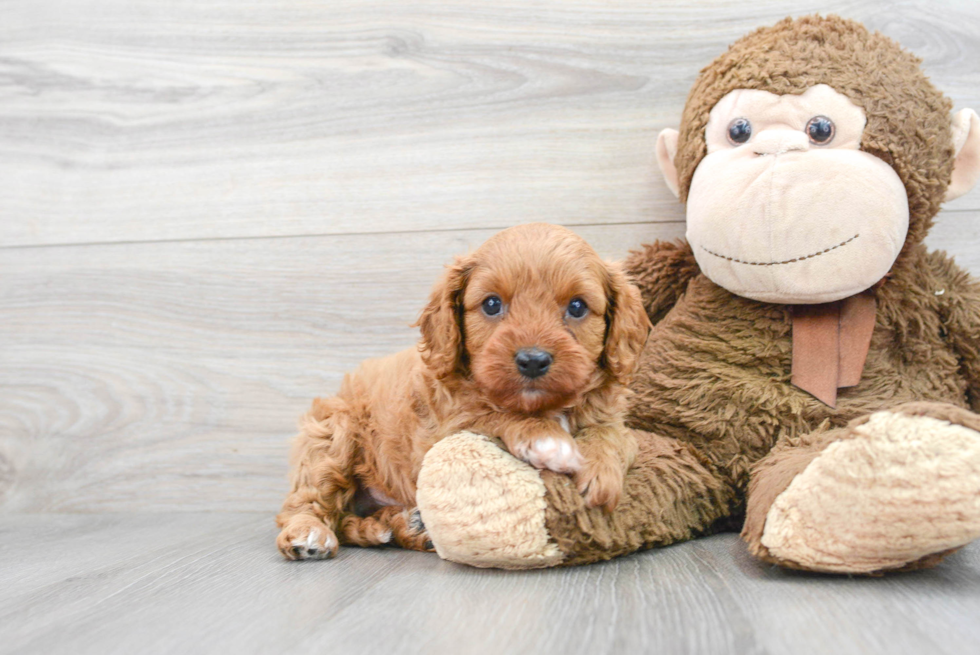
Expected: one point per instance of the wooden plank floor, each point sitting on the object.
(211, 209)
(209, 583)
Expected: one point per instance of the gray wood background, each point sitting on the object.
(211, 209)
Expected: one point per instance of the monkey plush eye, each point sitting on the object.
(739, 131)
(492, 305)
(577, 308)
(820, 129)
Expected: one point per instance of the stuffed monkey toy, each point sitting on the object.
(813, 375)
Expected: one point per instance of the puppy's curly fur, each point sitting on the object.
(358, 455)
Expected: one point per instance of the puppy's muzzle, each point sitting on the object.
(533, 362)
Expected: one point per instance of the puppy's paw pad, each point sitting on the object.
(558, 455)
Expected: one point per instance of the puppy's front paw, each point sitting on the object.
(307, 538)
(601, 484)
(555, 453)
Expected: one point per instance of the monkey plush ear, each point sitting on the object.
(666, 151)
(966, 142)
(441, 321)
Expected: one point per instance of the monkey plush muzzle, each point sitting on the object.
(786, 207)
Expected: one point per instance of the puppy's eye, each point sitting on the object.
(739, 131)
(577, 308)
(492, 305)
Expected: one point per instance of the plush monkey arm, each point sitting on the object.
(965, 332)
(485, 508)
(661, 270)
(960, 305)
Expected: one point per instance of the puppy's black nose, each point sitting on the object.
(532, 362)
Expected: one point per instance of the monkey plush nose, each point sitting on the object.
(777, 142)
(532, 362)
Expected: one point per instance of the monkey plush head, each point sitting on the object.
(811, 155)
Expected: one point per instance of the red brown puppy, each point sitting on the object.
(532, 339)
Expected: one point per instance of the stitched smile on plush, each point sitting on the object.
(764, 196)
(788, 261)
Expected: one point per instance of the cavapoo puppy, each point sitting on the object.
(531, 339)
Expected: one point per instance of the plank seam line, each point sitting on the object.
(310, 235)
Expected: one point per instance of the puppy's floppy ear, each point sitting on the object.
(627, 326)
(441, 321)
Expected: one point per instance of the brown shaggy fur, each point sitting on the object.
(713, 389)
(357, 458)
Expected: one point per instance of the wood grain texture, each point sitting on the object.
(135, 120)
(171, 375)
(212, 582)
(199, 142)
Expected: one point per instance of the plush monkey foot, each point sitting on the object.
(900, 490)
(484, 507)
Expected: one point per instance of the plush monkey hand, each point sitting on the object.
(483, 507)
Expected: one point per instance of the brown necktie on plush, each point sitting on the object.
(830, 344)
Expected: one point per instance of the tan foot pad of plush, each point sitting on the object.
(483, 507)
(902, 488)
